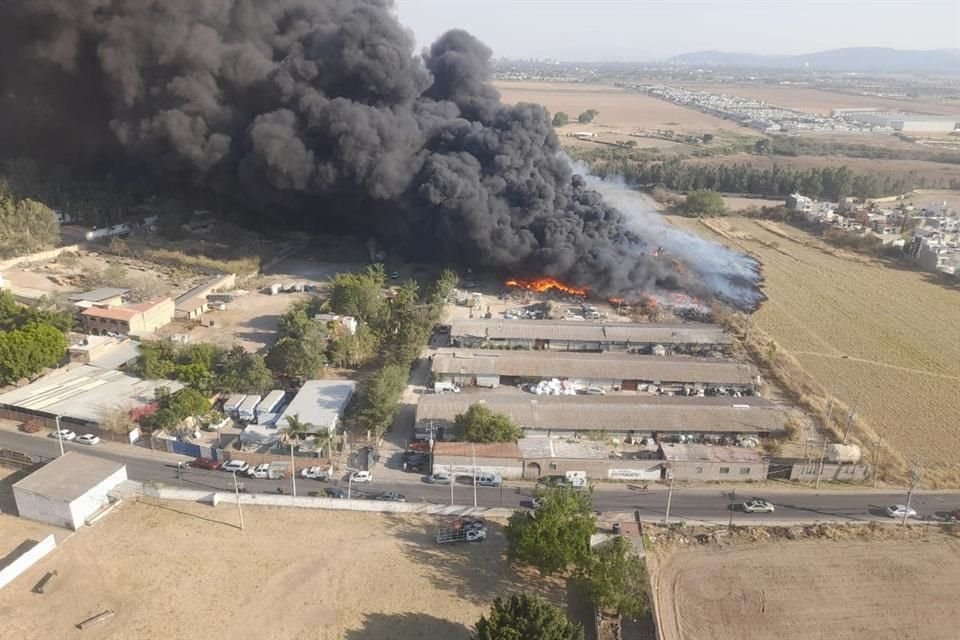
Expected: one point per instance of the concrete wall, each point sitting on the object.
(159, 315)
(595, 469)
(507, 468)
(27, 560)
(95, 498)
(833, 472)
(697, 471)
(40, 256)
(42, 509)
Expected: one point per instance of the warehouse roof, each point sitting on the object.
(69, 477)
(481, 450)
(98, 295)
(320, 402)
(597, 366)
(708, 453)
(641, 333)
(615, 412)
(543, 447)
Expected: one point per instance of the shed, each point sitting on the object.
(68, 490)
(248, 408)
(232, 404)
(320, 403)
(270, 402)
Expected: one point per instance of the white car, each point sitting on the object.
(235, 466)
(88, 438)
(315, 473)
(261, 471)
(64, 434)
(901, 510)
(757, 505)
(361, 476)
(440, 478)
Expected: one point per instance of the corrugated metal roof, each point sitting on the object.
(98, 295)
(597, 366)
(320, 403)
(709, 453)
(615, 413)
(675, 333)
(482, 450)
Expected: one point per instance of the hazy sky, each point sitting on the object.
(587, 30)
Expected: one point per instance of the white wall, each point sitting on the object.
(95, 499)
(43, 509)
(27, 560)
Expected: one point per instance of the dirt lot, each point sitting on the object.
(173, 571)
(887, 336)
(812, 100)
(621, 112)
(812, 590)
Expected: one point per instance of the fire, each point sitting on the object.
(542, 285)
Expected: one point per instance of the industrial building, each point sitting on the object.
(707, 463)
(462, 458)
(104, 297)
(900, 121)
(559, 456)
(69, 490)
(606, 370)
(319, 403)
(623, 416)
(557, 335)
(136, 319)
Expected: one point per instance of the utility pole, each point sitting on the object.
(876, 462)
(293, 472)
(915, 469)
(473, 450)
(666, 517)
(733, 503)
(846, 429)
(349, 485)
(179, 474)
(59, 436)
(236, 491)
(823, 452)
(453, 479)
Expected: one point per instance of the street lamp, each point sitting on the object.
(180, 474)
(59, 435)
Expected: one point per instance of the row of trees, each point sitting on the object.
(30, 339)
(560, 118)
(206, 368)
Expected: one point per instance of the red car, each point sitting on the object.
(205, 463)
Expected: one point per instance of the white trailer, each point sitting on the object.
(232, 404)
(248, 409)
(270, 402)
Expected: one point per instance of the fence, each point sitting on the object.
(26, 560)
(37, 257)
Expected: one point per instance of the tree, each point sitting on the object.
(704, 202)
(587, 116)
(25, 352)
(116, 419)
(762, 146)
(443, 286)
(244, 372)
(480, 424)
(359, 294)
(557, 535)
(26, 225)
(297, 358)
(348, 350)
(616, 578)
(172, 408)
(296, 428)
(379, 399)
(522, 617)
(707, 138)
(560, 119)
(196, 375)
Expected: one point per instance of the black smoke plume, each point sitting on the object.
(318, 111)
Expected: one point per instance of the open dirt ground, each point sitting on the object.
(810, 590)
(621, 112)
(180, 570)
(812, 100)
(887, 336)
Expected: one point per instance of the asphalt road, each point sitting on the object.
(793, 505)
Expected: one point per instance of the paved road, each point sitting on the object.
(793, 505)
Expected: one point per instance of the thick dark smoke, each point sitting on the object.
(320, 112)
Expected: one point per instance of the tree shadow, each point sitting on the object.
(407, 626)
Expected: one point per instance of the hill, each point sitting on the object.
(862, 59)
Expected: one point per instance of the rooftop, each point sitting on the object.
(68, 477)
(98, 295)
(320, 402)
(609, 366)
(543, 447)
(674, 414)
(481, 450)
(191, 304)
(708, 453)
(111, 313)
(657, 333)
(85, 392)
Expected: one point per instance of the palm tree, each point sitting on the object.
(296, 427)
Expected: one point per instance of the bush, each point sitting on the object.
(704, 202)
(524, 617)
(32, 426)
(480, 424)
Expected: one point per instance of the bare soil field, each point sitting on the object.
(812, 100)
(174, 570)
(921, 168)
(809, 590)
(621, 112)
(883, 338)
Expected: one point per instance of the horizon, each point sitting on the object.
(777, 28)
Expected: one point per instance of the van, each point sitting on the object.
(488, 480)
(445, 387)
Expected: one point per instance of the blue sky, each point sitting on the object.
(643, 29)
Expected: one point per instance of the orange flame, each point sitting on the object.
(542, 285)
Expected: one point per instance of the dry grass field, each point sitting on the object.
(621, 112)
(921, 168)
(812, 100)
(810, 590)
(182, 570)
(885, 336)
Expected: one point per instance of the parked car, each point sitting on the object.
(594, 391)
(234, 466)
(409, 456)
(440, 478)
(64, 434)
(315, 473)
(261, 471)
(334, 492)
(392, 496)
(899, 510)
(394, 275)
(361, 476)
(757, 505)
(205, 463)
(88, 438)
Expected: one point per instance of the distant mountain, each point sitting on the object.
(860, 59)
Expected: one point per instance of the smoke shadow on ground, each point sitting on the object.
(404, 626)
(476, 572)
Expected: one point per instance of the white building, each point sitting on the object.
(320, 403)
(67, 491)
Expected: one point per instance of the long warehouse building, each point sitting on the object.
(567, 335)
(620, 415)
(608, 370)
